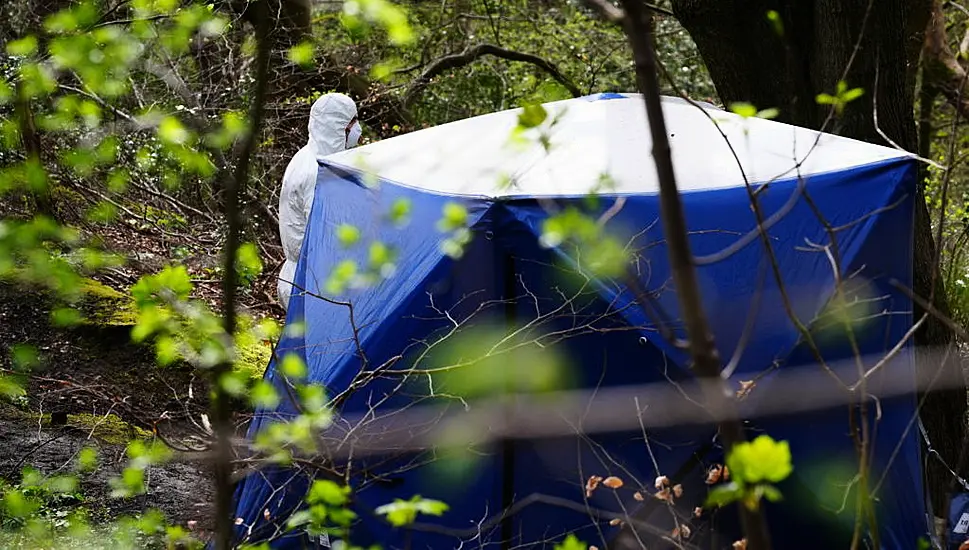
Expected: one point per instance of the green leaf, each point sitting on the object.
(776, 22)
(391, 17)
(380, 254)
(825, 99)
(770, 492)
(721, 495)
(6, 92)
(313, 397)
(132, 483)
(264, 395)
(452, 249)
(299, 518)
(172, 131)
(61, 484)
(571, 542)
(302, 54)
(233, 383)
(176, 279)
(118, 181)
(10, 388)
(455, 216)
(166, 350)
(293, 366)
(347, 234)
(25, 357)
(248, 262)
(762, 459)
(532, 116)
(327, 492)
(748, 110)
(22, 47)
(341, 276)
(769, 113)
(66, 317)
(852, 94)
(381, 71)
(17, 504)
(87, 459)
(103, 212)
(404, 512)
(743, 109)
(399, 211)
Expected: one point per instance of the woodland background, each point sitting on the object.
(157, 193)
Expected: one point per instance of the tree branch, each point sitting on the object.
(235, 187)
(471, 54)
(706, 361)
(941, 69)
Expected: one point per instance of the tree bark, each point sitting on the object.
(870, 45)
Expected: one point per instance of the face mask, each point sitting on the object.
(355, 132)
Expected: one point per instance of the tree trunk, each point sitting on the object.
(749, 61)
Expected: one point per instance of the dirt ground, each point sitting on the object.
(94, 388)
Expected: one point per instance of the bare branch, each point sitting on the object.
(471, 54)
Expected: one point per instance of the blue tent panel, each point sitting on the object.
(506, 277)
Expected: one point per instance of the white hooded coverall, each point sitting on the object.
(330, 131)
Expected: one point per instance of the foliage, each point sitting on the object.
(754, 467)
(842, 96)
(404, 512)
(571, 543)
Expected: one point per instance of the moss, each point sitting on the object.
(100, 304)
(108, 428)
(105, 306)
(11, 411)
(253, 356)
(162, 217)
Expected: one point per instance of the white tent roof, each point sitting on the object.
(594, 137)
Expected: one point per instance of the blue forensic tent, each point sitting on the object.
(811, 187)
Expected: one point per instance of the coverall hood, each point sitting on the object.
(329, 118)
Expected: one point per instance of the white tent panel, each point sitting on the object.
(476, 157)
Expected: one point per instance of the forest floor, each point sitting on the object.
(93, 387)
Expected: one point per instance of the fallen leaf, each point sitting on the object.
(638, 496)
(697, 512)
(615, 521)
(740, 544)
(678, 490)
(661, 481)
(591, 485)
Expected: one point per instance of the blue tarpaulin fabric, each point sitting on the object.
(508, 275)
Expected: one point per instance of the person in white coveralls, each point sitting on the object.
(333, 127)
